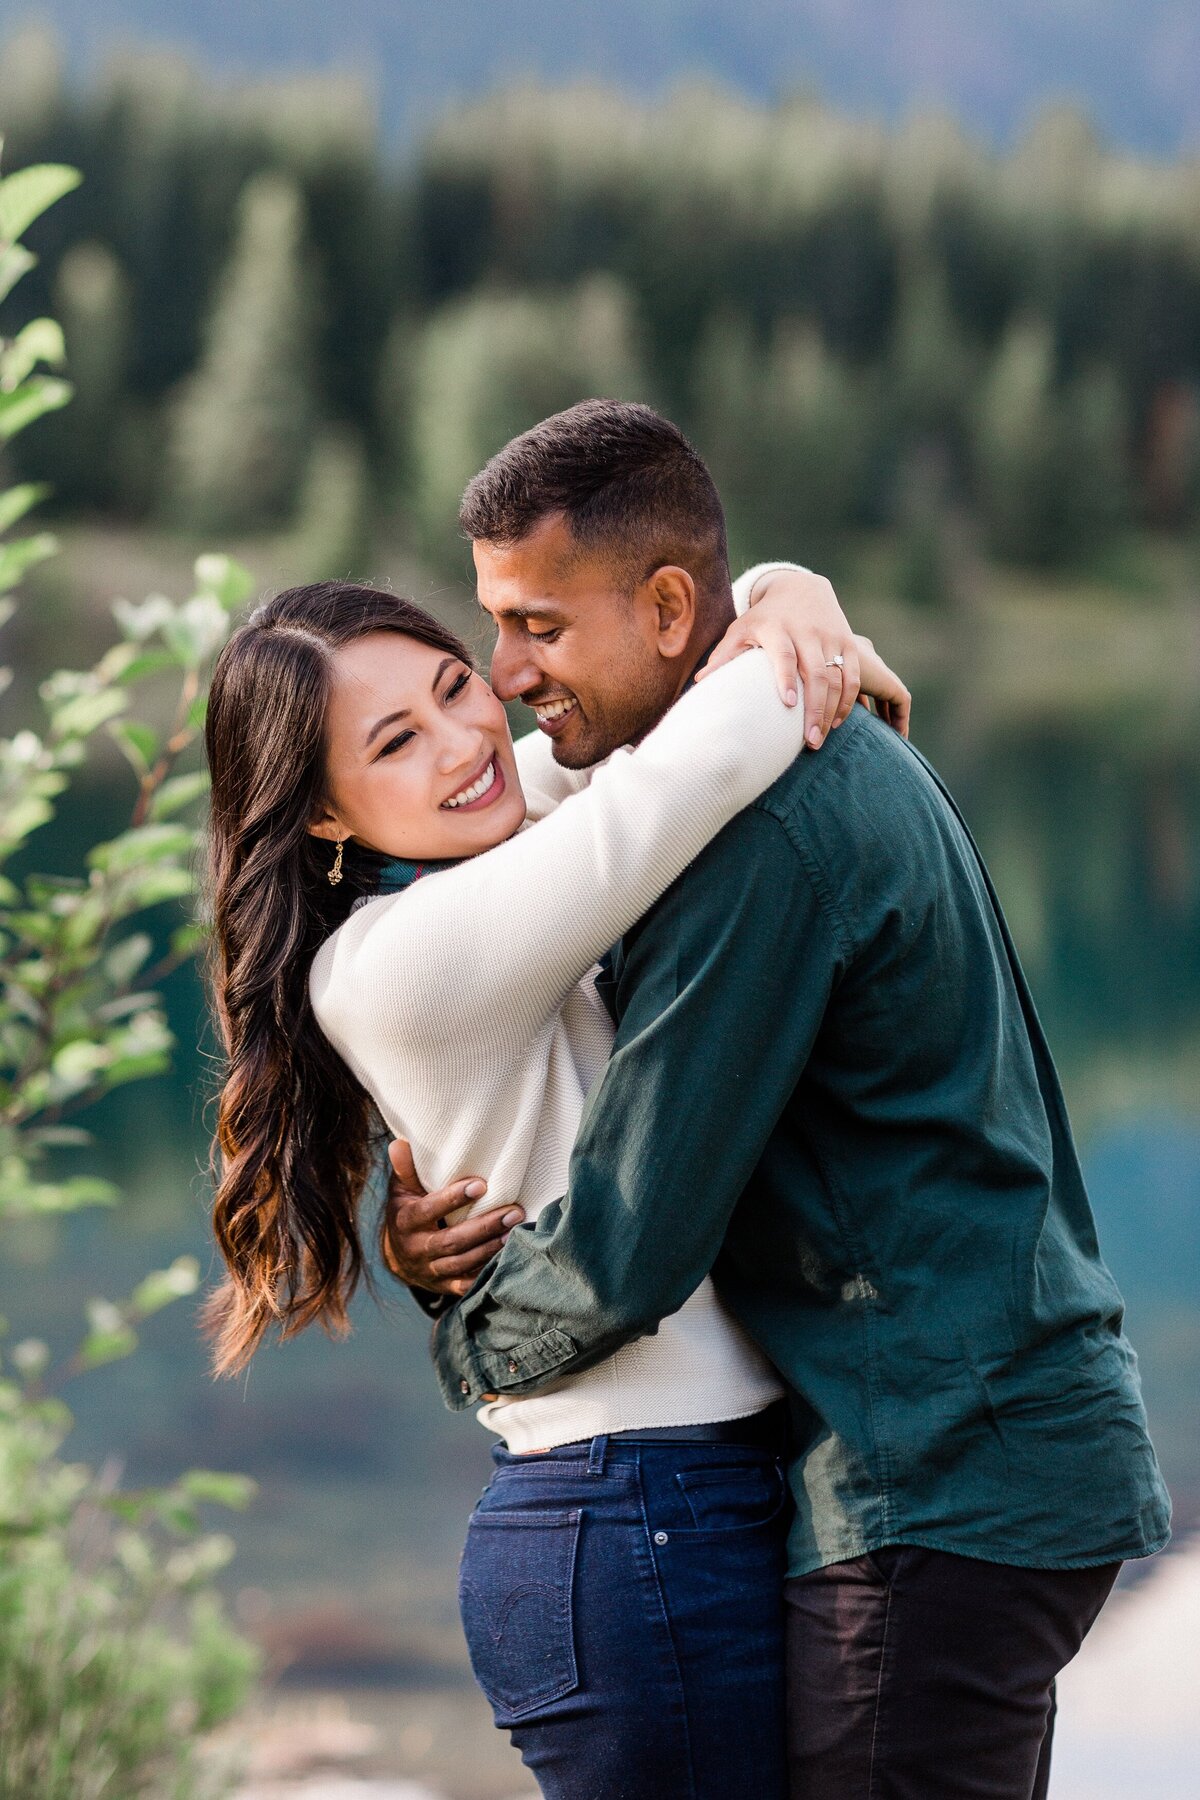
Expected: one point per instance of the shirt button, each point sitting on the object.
(464, 1386)
(660, 1537)
(513, 1365)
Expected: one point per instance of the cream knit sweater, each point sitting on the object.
(466, 1007)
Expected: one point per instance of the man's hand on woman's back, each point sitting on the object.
(420, 1247)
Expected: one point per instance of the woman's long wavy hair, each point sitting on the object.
(293, 1144)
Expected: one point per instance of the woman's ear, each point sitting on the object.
(326, 826)
(674, 596)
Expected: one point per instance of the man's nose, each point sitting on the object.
(514, 672)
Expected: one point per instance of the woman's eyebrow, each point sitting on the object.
(388, 719)
(391, 718)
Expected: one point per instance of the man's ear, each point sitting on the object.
(672, 593)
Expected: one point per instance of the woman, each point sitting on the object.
(357, 757)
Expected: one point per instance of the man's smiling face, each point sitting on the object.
(573, 643)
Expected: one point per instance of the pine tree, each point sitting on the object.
(788, 433)
(243, 422)
(489, 367)
(1015, 444)
(1051, 460)
(86, 453)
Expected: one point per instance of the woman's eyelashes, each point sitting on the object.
(396, 743)
(455, 688)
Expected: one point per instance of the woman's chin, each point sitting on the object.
(476, 832)
(471, 830)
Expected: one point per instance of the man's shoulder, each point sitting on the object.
(861, 773)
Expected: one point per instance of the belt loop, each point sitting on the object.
(596, 1455)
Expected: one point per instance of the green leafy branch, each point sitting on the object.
(109, 1614)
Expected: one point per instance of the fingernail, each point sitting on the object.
(814, 737)
(504, 1236)
(789, 699)
(512, 1218)
(475, 1189)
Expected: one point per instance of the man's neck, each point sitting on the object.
(704, 641)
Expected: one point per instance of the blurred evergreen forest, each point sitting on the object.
(865, 330)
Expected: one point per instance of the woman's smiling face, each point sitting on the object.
(419, 758)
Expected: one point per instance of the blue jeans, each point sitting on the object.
(623, 1607)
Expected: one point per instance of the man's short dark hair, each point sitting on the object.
(628, 483)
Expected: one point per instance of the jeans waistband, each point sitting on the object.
(762, 1430)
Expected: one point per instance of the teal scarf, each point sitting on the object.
(396, 874)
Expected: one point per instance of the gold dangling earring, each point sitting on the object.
(335, 874)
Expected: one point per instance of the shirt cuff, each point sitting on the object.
(431, 1304)
(744, 585)
(466, 1374)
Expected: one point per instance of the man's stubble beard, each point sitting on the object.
(634, 711)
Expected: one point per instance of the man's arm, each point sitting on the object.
(721, 997)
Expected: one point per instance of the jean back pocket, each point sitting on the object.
(515, 1596)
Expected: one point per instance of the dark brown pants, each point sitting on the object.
(916, 1675)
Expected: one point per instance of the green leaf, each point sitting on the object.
(25, 1199)
(77, 1063)
(198, 628)
(137, 742)
(158, 1289)
(127, 957)
(176, 1512)
(110, 1336)
(17, 501)
(22, 816)
(220, 1489)
(100, 1347)
(125, 1006)
(226, 580)
(155, 886)
(40, 394)
(63, 1137)
(26, 195)
(16, 559)
(137, 1068)
(143, 846)
(188, 940)
(15, 261)
(176, 793)
(138, 666)
(41, 341)
(143, 620)
(80, 716)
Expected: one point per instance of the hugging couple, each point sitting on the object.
(820, 1444)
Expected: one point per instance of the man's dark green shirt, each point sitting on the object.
(829, 1086)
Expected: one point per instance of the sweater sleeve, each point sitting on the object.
(545, 783)
(490, 949)
(743, 587)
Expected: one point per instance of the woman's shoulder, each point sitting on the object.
(338, 969)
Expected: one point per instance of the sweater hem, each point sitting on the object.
(522, 1437)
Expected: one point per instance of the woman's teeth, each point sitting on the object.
(554, 710)
(477, 788)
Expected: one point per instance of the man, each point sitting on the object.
(829, 1086)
